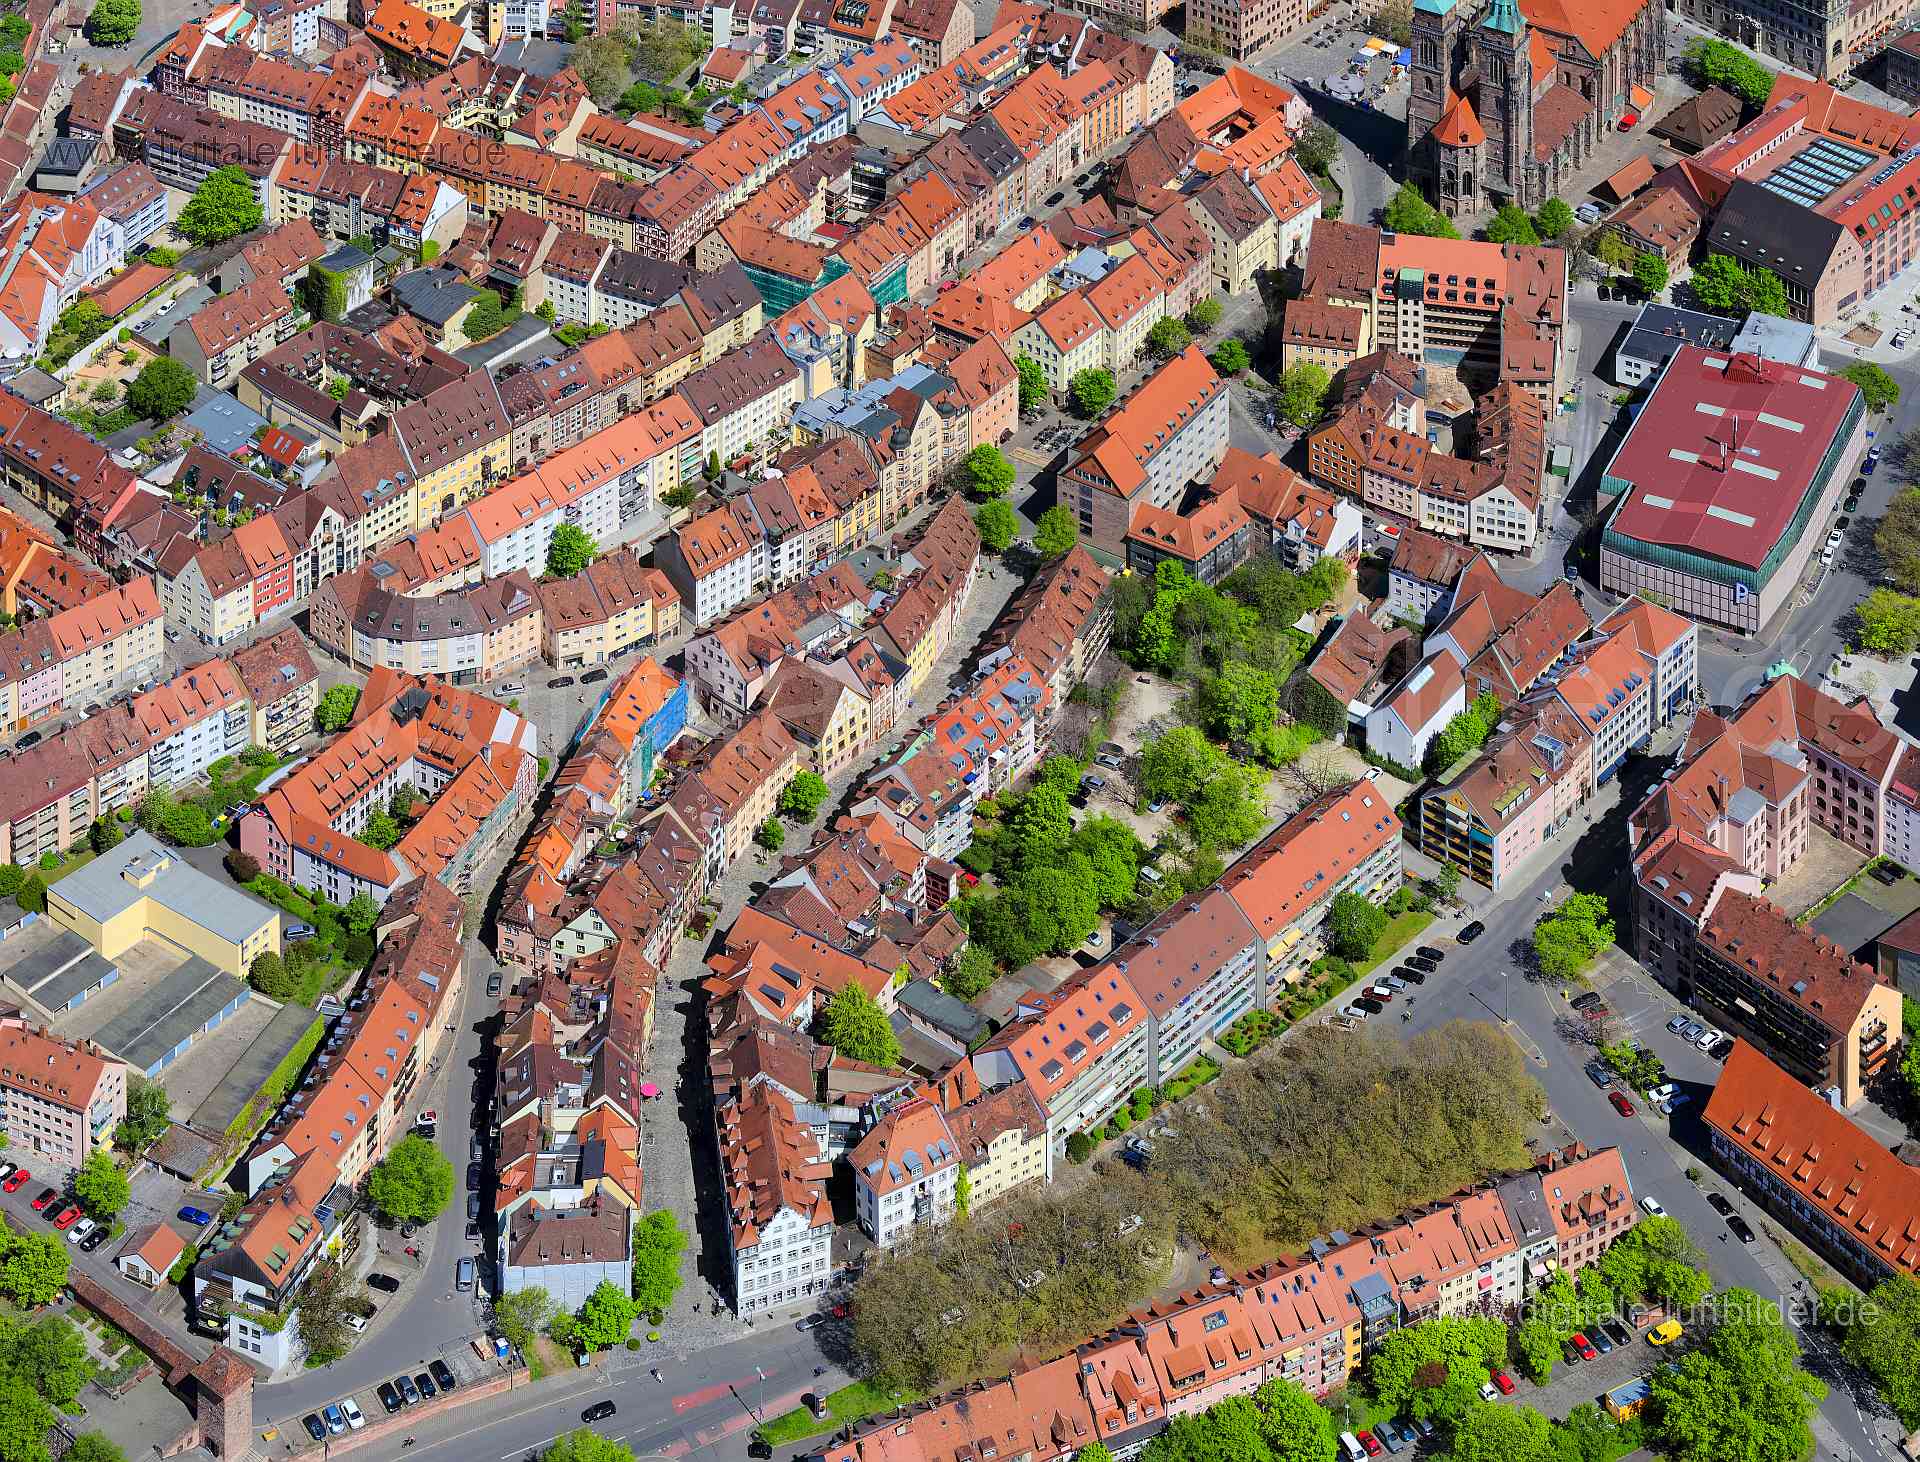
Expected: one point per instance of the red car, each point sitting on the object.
(68, 1216)
(47, 1195)
(1504, 1382)
(1620, 1103)
(15, 1183)
(1584, 1346)
(1371, 1443)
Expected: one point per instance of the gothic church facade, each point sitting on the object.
(1507, 104)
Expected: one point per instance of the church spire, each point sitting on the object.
(1504, 16)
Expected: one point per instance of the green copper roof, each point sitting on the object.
(1435, 7)
(1504, 16)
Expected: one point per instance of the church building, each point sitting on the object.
(1506, 105)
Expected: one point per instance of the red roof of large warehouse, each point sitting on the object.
(1721, 454)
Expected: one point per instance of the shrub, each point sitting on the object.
(1079, 1147)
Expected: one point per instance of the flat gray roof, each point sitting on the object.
(76, 982)
(172, 1011)
(40, 952)
(102, 889)
(1853, 923)
(243, 1082)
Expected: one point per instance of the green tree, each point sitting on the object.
(1303, 393)
(1569, 938)
(114, 23)
(1882, 1338)
(1230, 357)
(1554, 220)
(335, 712)
(855, 1025)
(104, 834)
(1112, 855)
(1740, 1397)
(1536, 1346)
(657, 1246)
(801, 798)
(163, 389)
(325, 1301)
(1294, 1426)
(1490, 1433)
(1875, 384)
(51, 1354)
(998, 524)
(1033, 382)
(1041, 827)
(33, 1269)
(1898, 539)
(360, 914)
(101, 1185)
(1766, 295)
(1206, 313)
(1355, 924)
(522, 1314)
(1719, 283)
(1510, 225)
(225, 206)
(413, 1183)
(94, 1447)
(33, 894)
(968, 973)
(606, 1318)
(1317, 145)
(1238, 702)
(1056, 532)
(149, 1114)
(25, 1417)
(12, 875)
(1650, 273)
(1437, 1367)
(1408, 212)
(1887, 623)
(1168, 337)
(1177, 765)
(569, 551)
(584, 1444)
(382, 831)
(1226, 1432)
(771, 836)
(989, 473)
(1091, 392)
(1717, 63)
(1229, 810)
(269, 975)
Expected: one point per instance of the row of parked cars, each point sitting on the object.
(60, 1208)
(402, 1391)
(1414, 970)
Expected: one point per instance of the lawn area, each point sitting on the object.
(73, 864)
(844, 1407)
(1404, 929)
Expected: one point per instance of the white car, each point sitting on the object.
(1707, 1037)
(80, 1230)
(352, 1409)
(1654, 1208)
(357, 1323)
(1353, 1012)
(1373, 774)
(1487, 1393)
(1661, 1092)
(1096, 940)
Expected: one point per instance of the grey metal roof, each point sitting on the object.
(184, 1000)
(102, 889)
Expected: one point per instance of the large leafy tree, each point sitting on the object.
(51, 1354)
(1238, 701)
(1512, 226)
(149, 1114)
(1033, 383)
(606, 1317)
(998, 524)
(25, 1419)
(522, 1314)
(1408, 212)
(1882, 1337)
(1437, 1367)
(335, 712)
(101, 1185)
(1091, 392)
(1168, 337)
(33, 1269)
(1741, 1397)
(801, 798)
(1175, 766)
(163, 389)
(1566, 941)
(225, 206)
(1898, 539)
(1489, 1433)
(657, 1246)
(1650, 273)
(1354, 924)
(1317, 146)
(1230, 357)
(1875, 384)
(584, 1444)
(1887, 623)
(569, 551)
(1554, 220)
(1719, 283)
(989, 473)
(1303, 393)
(853, 1023)
(114, 22)
(1295, 1427)
(1041, 827)
(1056, 532)
(414, 1182)
(1731, 68)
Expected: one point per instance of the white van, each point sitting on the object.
(1350, 1445)
(463, 1274)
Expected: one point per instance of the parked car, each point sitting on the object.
(336, 1418)
(560, 682)
(193, 1215)
(95, 1239)
(67, 1217)
(1504, 1382)
(1690, 1032)
(599, 1411)
(443, 1373)
(1741, 1229)
(1427, 951)
(1367, 1005)
(80, 1230)
(1393, 982)
(1665, 1333)
(353, 1414)
(1661, 1092)
(424, 1383)
(385, 1283)
(1586, 1001)
(1653, 1207)
(1719, 1204)
(18, 1181)
(1472, 932)
(1584, 1346)
(311, 1421)
(1677, 1024)
(44, 1197)
(593, 677)
(1617, 1331)
(389, 1397)
(1601, 1341)
(300, 931)
(409, 1392)
(1620, 1103)
(1599, 1075)
(1421, 962)
(1411, 975)
(1707, 1039)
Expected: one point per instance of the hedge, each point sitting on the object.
(273, 1090)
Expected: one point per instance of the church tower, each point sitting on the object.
(1436, 42)
(1506, 102)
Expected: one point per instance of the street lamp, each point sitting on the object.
(759, 1393)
